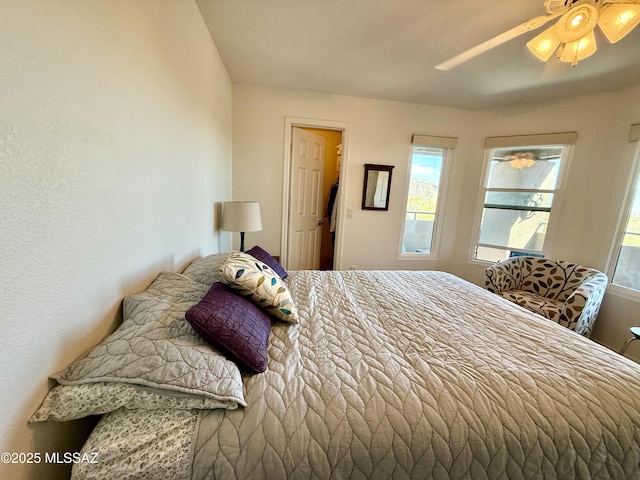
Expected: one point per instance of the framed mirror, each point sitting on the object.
(377, 187)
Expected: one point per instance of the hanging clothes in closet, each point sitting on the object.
(332, 209)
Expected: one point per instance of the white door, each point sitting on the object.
(305, 200)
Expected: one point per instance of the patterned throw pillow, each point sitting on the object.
(234, 325)
(261, 284)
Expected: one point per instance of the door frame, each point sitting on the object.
(289, 124)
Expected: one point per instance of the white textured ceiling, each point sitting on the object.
(387, 49)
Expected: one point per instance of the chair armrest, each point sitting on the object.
(499, 278)
(581, 308)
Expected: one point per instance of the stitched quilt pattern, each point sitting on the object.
(423, 375)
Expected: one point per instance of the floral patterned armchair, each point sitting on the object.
(566, 293)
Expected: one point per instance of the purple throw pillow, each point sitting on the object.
(265, 257)
(234, 325)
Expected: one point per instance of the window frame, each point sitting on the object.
(561, 139)
(631, 189)
(448, 145)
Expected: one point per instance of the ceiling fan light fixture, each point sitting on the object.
(521, 160)
(580, 49)
(572, 37)
(543, 45)
(617, 20)
(577, 23)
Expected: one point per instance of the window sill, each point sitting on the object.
(623, 292)
(417, 256)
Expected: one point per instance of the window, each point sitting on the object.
(424, 194)
(626, 270)
(521, 184)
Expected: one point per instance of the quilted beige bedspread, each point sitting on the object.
(423, 375)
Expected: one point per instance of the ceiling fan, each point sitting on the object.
(572, 36)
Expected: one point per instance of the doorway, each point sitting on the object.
(311, 200)
(330, 188)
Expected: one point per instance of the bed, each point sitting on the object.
(386, 374)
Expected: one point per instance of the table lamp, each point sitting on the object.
(241, 217)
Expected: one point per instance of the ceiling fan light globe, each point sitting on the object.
(580, 49)
(544, 44)
(576, 23)
(617, 20)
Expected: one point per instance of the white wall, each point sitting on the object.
(381, 133)
(115, 143)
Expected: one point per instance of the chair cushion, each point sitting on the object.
(546, 307)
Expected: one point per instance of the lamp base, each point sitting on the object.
(242, 241)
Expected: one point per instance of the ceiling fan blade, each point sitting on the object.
(521, 29)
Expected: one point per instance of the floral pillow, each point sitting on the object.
(261, 284)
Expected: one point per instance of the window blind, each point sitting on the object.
(564, 138)
(433, 141)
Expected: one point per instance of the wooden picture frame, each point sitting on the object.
(377, 186)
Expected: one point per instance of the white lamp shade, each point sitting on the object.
(580, 49)
(618, 20)
(241, 217)
(545, 44)
(577, 23)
